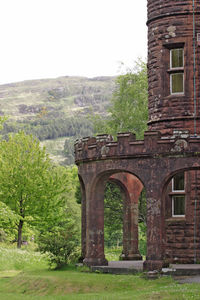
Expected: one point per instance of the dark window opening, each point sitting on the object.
(178, 205)
(178, 183)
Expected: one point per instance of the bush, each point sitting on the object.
(142, 238)
(61, 244)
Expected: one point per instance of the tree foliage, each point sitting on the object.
(28, 180)
(59, 233)
(50, 128)
(8, 221)
(113, 215)
(128, 110)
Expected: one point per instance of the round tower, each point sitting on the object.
(173, 57)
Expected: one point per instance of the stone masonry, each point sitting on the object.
(171, 146)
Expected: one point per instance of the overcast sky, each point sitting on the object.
(52, 38)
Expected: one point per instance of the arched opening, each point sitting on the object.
(128, 189)
(182, 219)
(124, 217)
(113, 220)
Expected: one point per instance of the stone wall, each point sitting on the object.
(182, 244)
(170, 25)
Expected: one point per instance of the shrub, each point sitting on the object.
(61, 244)
(142, 238)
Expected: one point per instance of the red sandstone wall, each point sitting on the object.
(170, 24)
(180, 243)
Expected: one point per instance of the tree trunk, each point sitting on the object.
(19, 238)
(21, 222)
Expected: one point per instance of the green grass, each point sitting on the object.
(74, 284)
(113, 254)
(16, 259)
(24, 276)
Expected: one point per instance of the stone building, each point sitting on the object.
(166, 163)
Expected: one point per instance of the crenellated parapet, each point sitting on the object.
(104, 147)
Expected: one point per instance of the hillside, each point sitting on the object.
(55, 110)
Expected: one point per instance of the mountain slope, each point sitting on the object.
(53, 109)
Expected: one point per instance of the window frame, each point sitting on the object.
(178, 191)
(176, 70)
(173, 214)
(176, 93)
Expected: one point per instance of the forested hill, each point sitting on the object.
(55, 110)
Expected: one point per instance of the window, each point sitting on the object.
(178, 184)
(176, 60)
(178, 195)
(178, 206)
(176, 83)
(177, 71)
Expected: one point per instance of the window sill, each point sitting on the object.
(175, 95)
(176, 70)
(177, 193)
(175, 220)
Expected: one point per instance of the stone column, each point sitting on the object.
(134, 188)
(95, 225)
(155, 229)
(83, 222)
(133, 251)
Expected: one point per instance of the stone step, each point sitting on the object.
(134, 267)
(182, 270)
(120, 267)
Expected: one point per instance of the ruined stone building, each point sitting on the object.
(166, 163)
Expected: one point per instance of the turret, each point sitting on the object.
(173, 66)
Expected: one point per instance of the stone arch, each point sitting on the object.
(95, 216)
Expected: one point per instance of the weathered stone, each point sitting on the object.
(171, 145)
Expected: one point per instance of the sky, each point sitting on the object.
(52, 38)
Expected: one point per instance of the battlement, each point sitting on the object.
(104, 147)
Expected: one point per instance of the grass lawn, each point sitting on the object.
(74, 284)
(31, 279)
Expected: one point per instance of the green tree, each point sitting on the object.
(128, 110)
(8, 221)
(28, 180)
(59, 233)
(113, 215)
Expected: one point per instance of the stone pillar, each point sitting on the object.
(95, 225)
(83, 222)
(133, 251)
(155, 229)
(134, 188)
